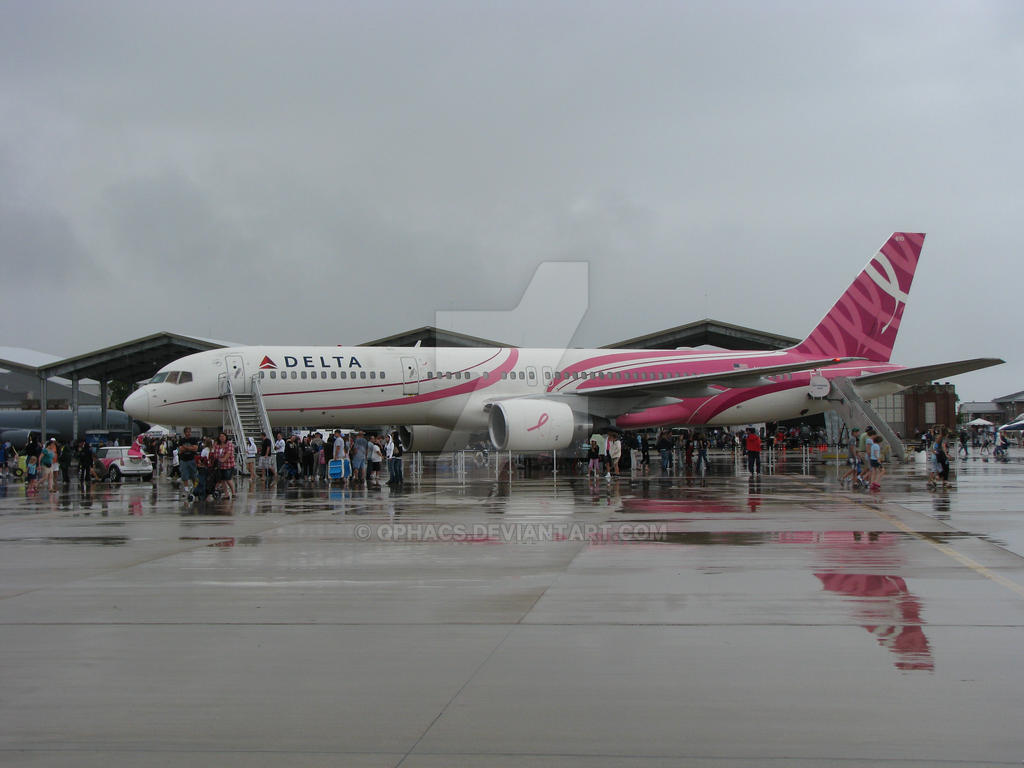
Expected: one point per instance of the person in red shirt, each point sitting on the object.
(753, 452)
(223, 458)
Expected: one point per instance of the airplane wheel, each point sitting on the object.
(114, 475)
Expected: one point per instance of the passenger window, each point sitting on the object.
(273, 374)
(362, 374)
(295, 375)
(343, 374)
(382, 374)
(373, 374)
(263, 374)
(334, 374)
(487, 374)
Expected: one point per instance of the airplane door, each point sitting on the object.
(547, 375)
(531, 376)
(235, 366)
(410, 376)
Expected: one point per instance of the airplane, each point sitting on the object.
(544, 399)
(15, 426)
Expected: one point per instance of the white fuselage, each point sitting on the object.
(451, 387)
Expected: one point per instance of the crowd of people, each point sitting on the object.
(49, 465)
(207, 467)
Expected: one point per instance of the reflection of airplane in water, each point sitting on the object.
(855, 565)
(889, 612)
(884, 605)
(543, 399)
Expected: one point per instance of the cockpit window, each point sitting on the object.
(185, 377)
(172, 377)
(158, 378)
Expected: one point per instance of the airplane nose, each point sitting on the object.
(136, 404)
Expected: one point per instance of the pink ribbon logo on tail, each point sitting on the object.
(539, 424)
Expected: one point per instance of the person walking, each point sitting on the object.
(279, 447)
(64, 459)
(223, 460)
(594, 460)
(399, 476)
(47, 462)
(614, 452)
(340, 454)
(250, 460)
(875, 454)
(853, 458)
(942, 455)
(268, 460)
(85, 461)
(753, 446)
(6, 454)
(702, 444)
(188, 449)
(360, 446)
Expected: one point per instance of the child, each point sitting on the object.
(31, 474)
(875, 473)
(594, 460)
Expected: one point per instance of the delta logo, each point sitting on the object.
(267, 364)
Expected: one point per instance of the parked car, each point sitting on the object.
(116, 464)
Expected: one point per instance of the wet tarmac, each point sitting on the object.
(687, 620)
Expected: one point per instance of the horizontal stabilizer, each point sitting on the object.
(923, 374)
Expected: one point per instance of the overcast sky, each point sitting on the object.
(335, 172)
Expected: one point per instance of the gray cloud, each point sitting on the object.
(336, 172)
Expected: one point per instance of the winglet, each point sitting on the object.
(864, 321)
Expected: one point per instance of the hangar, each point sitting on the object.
(129, 361)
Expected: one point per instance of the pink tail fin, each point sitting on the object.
(865, 319)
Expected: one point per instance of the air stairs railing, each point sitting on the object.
(230, 414)
(256, 392)
(857, 413)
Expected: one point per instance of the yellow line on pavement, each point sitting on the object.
(948, 550)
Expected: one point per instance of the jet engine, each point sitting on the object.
(536, 425)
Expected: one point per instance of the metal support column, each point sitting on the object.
(42, 409)
(103, 403)
(74, 407)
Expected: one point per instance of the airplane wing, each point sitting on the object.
(698, 385)
(922, 374)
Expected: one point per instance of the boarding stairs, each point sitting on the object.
(245, 412)
(856, 412)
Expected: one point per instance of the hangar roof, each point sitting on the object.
(707, 331)
(694, 334)
(131, 360)
(430, 336)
